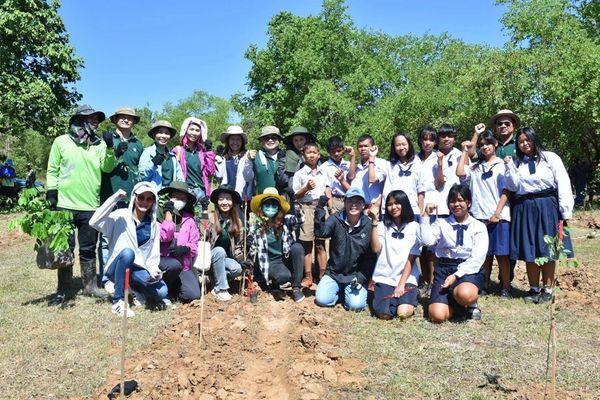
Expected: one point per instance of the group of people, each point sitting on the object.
(425, 222)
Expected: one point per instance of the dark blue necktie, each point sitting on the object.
(449, 161)
(460, 233)
(397, 234)
(405, 172)
(486, 174)
(531, 164)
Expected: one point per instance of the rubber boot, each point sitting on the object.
(65, 276)
(88, 276)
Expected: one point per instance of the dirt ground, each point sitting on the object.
(267, 350)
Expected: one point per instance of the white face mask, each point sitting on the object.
(178, 204)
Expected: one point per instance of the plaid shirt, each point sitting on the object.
(259, 246)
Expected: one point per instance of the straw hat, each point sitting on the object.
(234, 130)
(506, 113)
(269, 193)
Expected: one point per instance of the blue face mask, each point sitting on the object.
(270, 210)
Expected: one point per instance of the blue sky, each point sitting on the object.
(140, 52)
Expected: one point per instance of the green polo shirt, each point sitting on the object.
(264, 174)
(167, 171)
(509, 149)
(125, 175)
(194, 168)
(275, 244)
(224, 240)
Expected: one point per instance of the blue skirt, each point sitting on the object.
(532, 218)
(499, 237)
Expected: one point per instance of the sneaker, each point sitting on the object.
(505, 294)
(109, 287)
(545, 296)
(532, 296)
(119, 309)
(285, 286)
(425, 291)
(474, 312)
(138, 299)
(222, 295)
(298, 295)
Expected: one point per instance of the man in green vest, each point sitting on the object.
(265, 160)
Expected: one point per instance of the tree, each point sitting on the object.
(37, 63)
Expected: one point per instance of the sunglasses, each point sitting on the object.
(503, 123)
(273, 138)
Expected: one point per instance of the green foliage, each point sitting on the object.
(557, 250)
(37, 63)
(53, 227)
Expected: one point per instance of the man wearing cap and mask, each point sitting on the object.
(128, 149)
(73, 179)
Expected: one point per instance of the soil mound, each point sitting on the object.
(266, 350)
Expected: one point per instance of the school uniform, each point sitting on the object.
(461, 250)
(486, 182)
(429, 173)
(542, 197)
(395, 250)
(405, 178)
(337, 190)
(310, 199)
(371, 190)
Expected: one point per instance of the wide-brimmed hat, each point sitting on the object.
(270, 130)
(214, 196)
(299, 130)
(86, 110)
(508, 114)
(125, 110)
(234, 130)
(164, 124)
(269, 193)
(180, 187)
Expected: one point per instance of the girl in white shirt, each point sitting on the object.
(395, 275)
(403, 170)
(542, 196)
(486, 181)
(461, 244)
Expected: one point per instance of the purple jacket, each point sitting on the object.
(207, 158)
(188, 235)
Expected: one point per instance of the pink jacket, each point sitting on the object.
(207, 158)
(188, 235)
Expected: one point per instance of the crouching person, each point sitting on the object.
(351, 260)
(396, 274)
(179, 236)
(280, 258)
(134, 243)
(461, 244)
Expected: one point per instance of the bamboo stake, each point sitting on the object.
(204, 229)
(122, 388)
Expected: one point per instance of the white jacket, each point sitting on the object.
(119, 228)
(244, 177)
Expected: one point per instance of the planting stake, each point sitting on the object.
(204, 229)
(122, 388)
(242, 284)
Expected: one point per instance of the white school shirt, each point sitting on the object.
(429, 172)
(426, 185)
(371, 190)
(486, 184)
(443, 235)
(550, 173)
(409, 184)
(302, 176)
(394, 253)
(331, 168)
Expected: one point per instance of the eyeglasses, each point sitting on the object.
(503, 123)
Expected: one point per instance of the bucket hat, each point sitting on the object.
(506, 113)
(269, 193)
(86, 110)
(162, 123)
(233, 130)
(299, 130)
(214, 196)
(270, 130)
(179, 187)
(125, 110)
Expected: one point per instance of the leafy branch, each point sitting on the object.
(47, 226)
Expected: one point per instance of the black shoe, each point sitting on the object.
(57, 299)
(532, 297)
(505, 294)
(474, 312)
(278, 295)
(545, 296)
(298, 295)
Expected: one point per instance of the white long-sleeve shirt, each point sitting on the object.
(394, 254)
(405, 178)
(486, 184)
(429, 173)
(550, 173)
(443, 235)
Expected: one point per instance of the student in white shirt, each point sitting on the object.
(396, 275)
(461, 244)
(490, 197)
(542, 197)
(337, 172)
(403, 170)
(309, 184)
(369, 174)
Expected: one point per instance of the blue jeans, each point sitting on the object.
(138, 277)
(224, 268)
(328, 292)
